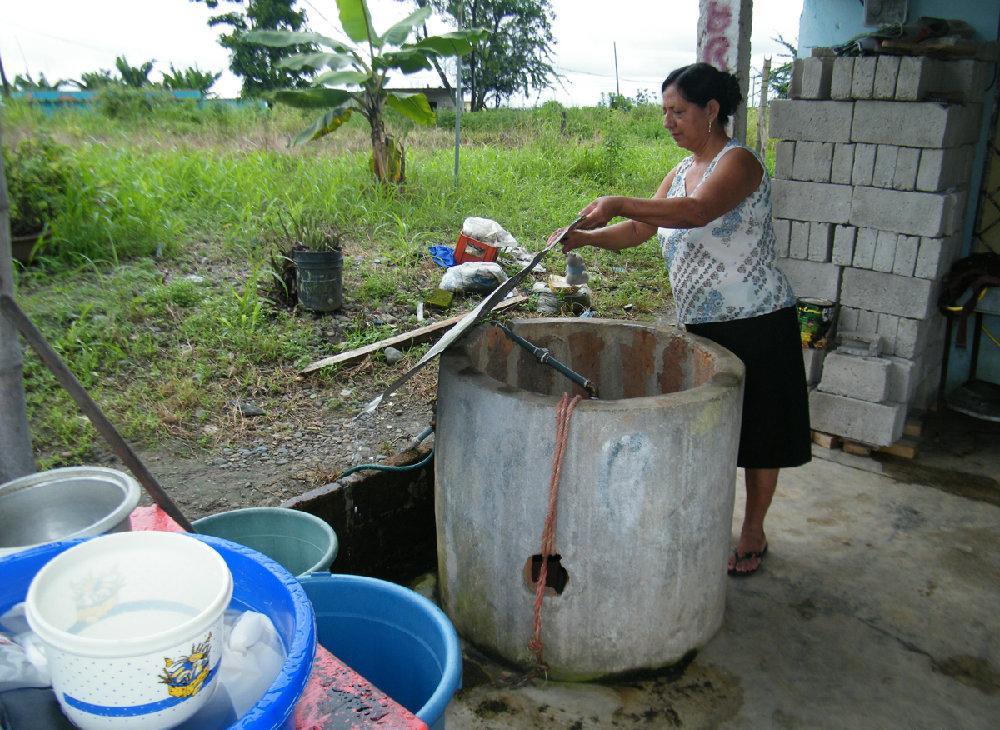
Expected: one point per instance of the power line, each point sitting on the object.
(646, 80)
(64, 40)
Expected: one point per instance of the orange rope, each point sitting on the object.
(563, 414)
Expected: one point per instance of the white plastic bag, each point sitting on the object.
(22, 664)
(488, 231)
(473, 277)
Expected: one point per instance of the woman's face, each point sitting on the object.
(686, 122)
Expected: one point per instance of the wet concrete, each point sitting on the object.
(878, 607)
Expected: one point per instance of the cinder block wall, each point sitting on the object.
(871, 176)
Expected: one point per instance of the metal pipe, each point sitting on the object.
(104, 427)
(545, 357)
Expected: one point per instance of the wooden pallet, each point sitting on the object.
(905, 448)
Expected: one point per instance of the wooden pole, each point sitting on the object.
(765, 77)
(3, 80)
(16, 457)
(67, 380)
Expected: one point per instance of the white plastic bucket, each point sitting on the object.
(59, 504)
(132, 627)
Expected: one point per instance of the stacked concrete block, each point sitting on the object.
(872, 170)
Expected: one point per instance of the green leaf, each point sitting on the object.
(406, 61)
(317, 60)
(456, 43)
(285, 38)
(324, 125)
(398, 33)
(411, 106)
(314, 98)
(357, 21)
(336, 78)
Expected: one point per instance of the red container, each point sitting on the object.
(469, 249)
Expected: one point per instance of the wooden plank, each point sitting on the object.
(826, 440)
(904, 449)
(853, 447)
(914, 427)
(407, 339)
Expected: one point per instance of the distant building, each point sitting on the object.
(438, 96)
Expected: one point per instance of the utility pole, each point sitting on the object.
(618, 91)
(16, 458)
(458, 98)
(3, 80)
(765, 77)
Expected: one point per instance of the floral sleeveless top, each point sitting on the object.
(725, 270)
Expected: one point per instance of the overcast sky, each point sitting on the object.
(62, 38)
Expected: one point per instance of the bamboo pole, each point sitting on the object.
(104, 427)
(16, 458)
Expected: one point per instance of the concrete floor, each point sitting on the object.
(878, 607)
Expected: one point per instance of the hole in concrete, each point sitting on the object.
(556, 576)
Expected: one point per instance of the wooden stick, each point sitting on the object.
(68, 381)
(407, 339)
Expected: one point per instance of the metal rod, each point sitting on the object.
(545, 357)
(68, 381)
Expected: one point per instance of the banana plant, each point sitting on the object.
(365, 66)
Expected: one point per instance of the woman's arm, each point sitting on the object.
(626, 234)
(735, 177)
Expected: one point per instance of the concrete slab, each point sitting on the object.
(876, 608)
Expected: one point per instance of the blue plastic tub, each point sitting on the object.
(259, 584)
(395, 638)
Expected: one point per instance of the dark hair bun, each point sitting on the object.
(699, 83)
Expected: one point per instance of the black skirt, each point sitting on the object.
(775, 432)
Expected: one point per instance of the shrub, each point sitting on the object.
(37, 178)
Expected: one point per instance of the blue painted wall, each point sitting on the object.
(831, 22)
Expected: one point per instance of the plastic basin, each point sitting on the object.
(61, 504)
(259, 584)
(395, 638)
(301, 542)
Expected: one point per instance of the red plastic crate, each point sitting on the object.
(469, 249)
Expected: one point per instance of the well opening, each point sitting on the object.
(625, 361)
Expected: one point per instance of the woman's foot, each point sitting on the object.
(748, 556)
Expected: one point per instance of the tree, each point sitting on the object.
(781, 76)
(515, 56)
(134, 76)
(93, 80)
(369, 62)
(258, 65)
(190, 78)
(27, 83)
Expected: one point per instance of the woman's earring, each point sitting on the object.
(709, 126)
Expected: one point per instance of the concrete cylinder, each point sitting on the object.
(645, 500)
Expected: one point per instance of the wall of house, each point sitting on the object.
(831, 22)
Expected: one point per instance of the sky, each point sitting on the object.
(62, 38)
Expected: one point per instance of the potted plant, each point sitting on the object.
(37, 178)
(315, 247)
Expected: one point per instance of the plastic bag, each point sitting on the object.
(488, 231)
(471, 277)
(21, 663)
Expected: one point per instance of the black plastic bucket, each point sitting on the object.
(320, 279)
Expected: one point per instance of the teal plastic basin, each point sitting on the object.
(302, 543)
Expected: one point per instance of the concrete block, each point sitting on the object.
(907, 248)
(812, 279)
(784, 159)
(885, 166)
(864, 378)
(811, 121)
(879, 292)
(935, 256)
(864, 164)
(847, 319)
(903, 378)
(867, 322)
(798, 242)
(863, 82)
(917, 76)
(886, 71)
(782, 231)
(821, 202)
(843, 245)
(940, 169)
(842, 78)
(913, 337)
(812, 160)
(878, 424)
(962, 81)
(926, 393)
(813, 360)
(907, 162)
(913, 124)
(864, 248)
(886, 328)
(912, 213)
(843, 163)
(885, 251)
(820, 241)
(816, 77)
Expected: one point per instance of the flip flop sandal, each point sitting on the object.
(740, 557)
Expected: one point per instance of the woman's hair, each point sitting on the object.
(700, 82)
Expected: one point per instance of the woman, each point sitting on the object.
(712, 214)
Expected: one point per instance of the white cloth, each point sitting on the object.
(727, 269)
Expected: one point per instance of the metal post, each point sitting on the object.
(618, 91)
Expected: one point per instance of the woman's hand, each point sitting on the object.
(574, 239)
(599, 212)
